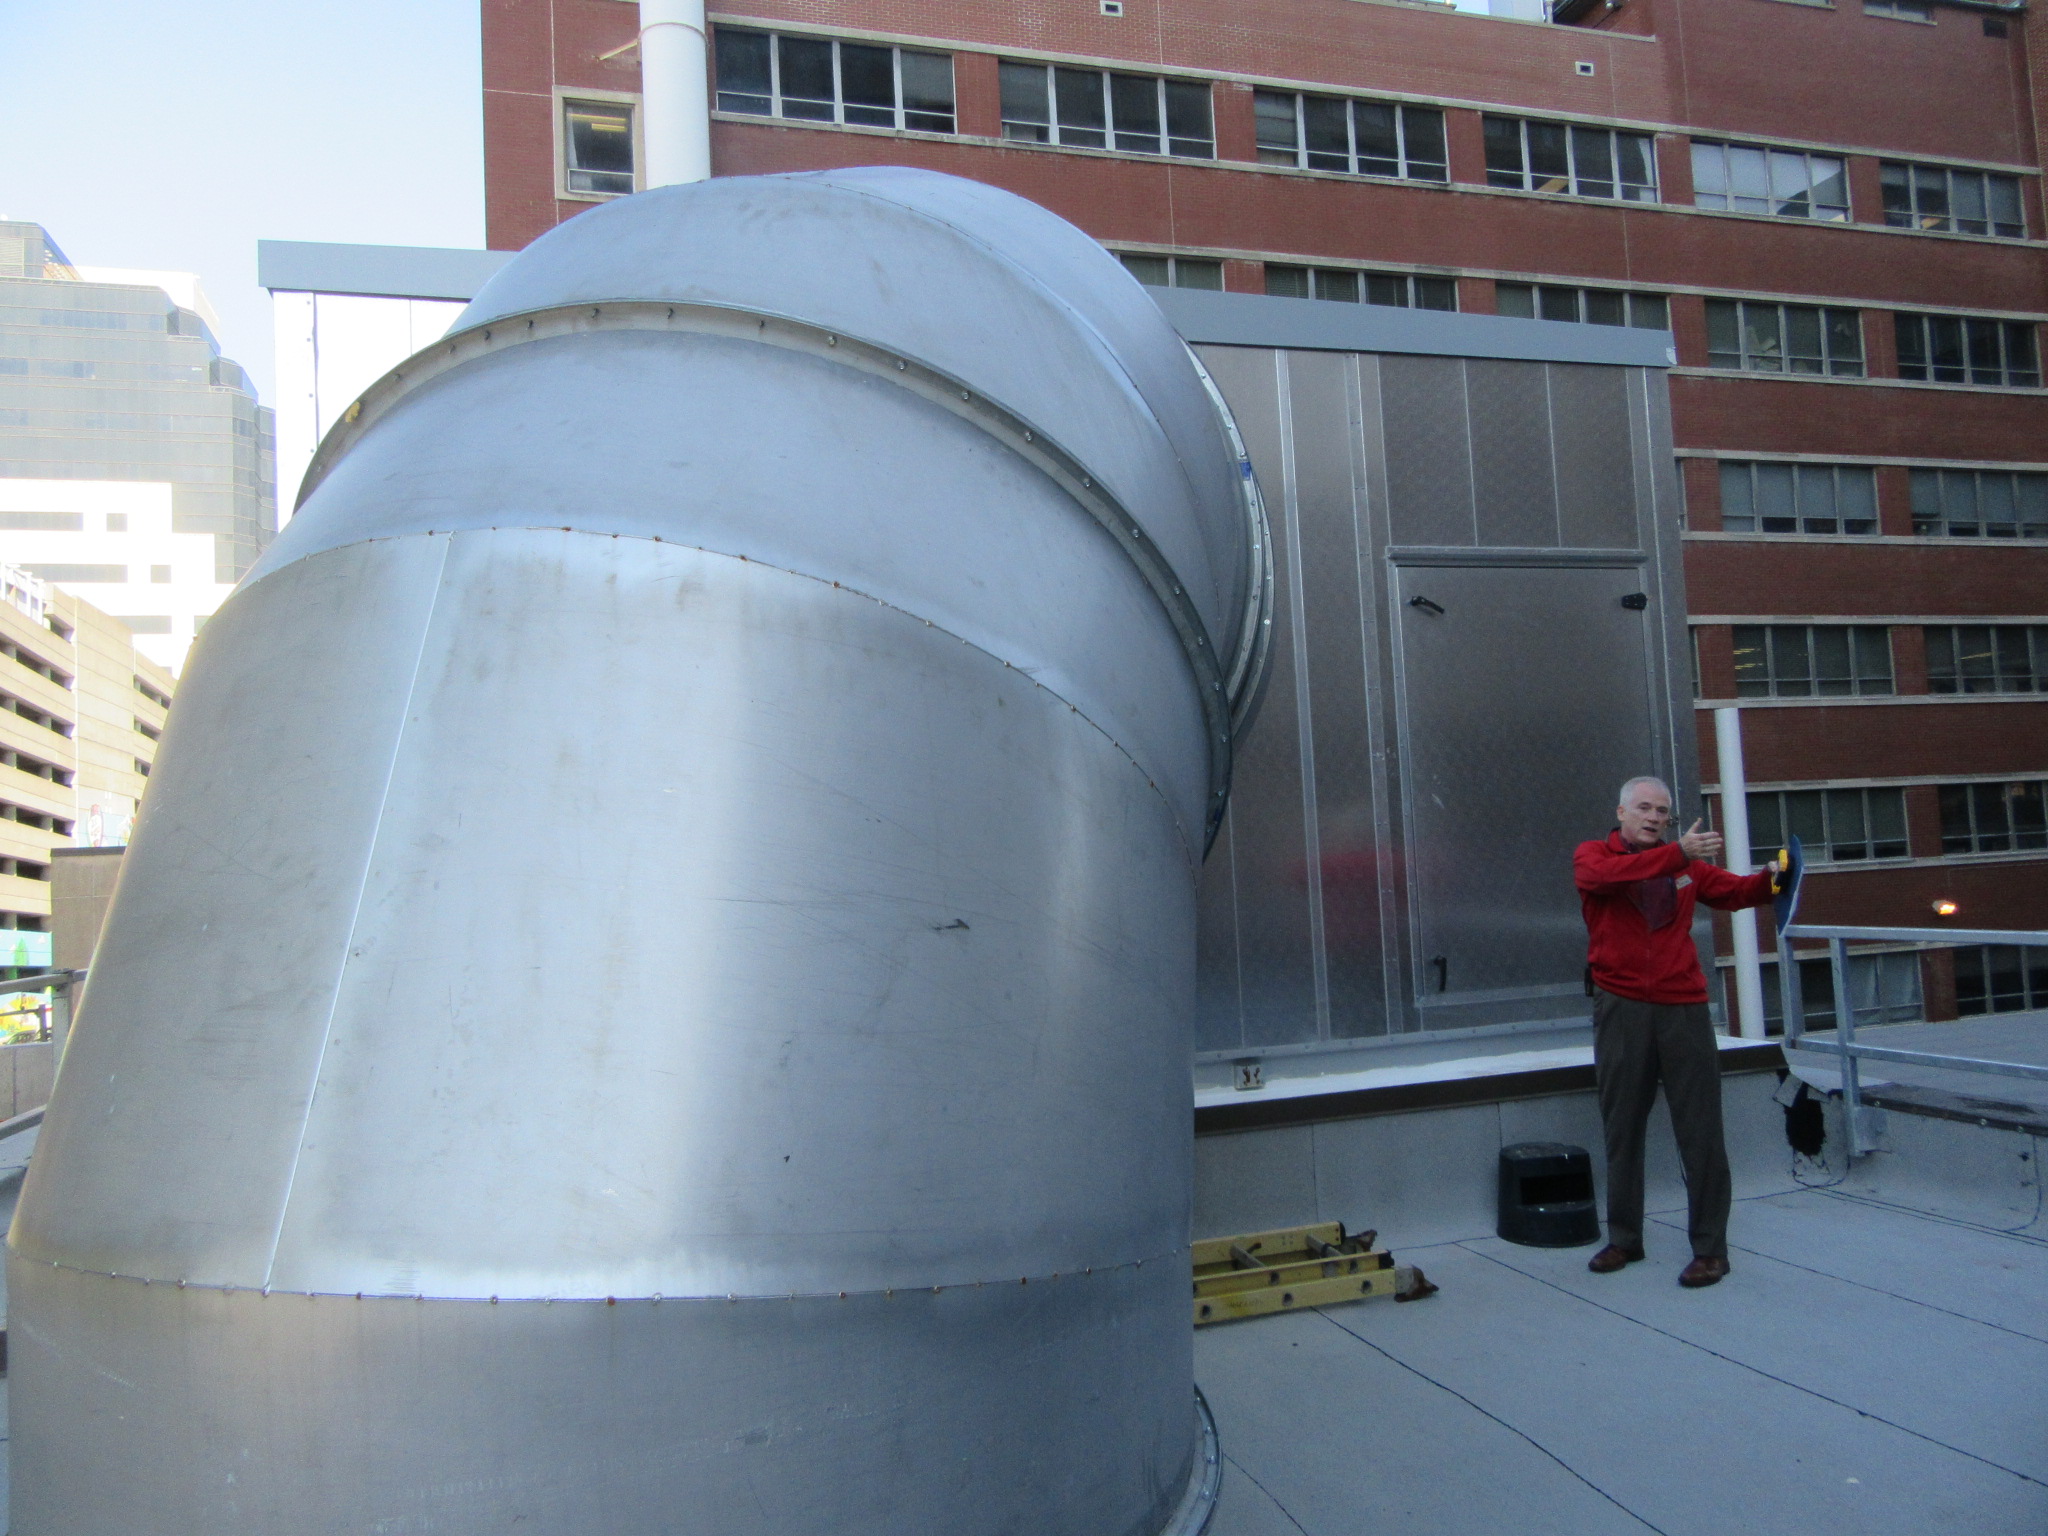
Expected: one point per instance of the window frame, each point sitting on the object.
(1923, 340)
(900, 111)
(1828, 318)
(1928, 489)
(1524, 177)
(1054, 128)
(1773, 157)
(1544, 296)
(1364, 282)
(564, 98)
(1964, 814)
(1803, 481)
(1174, 266)
(1908, 214)
(1776, 645)
(1772, 809)
(2032, 964)
(1946, 651)
(1300, 152)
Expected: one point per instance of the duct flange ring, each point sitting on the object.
(1205, 1480)
(1228, 695)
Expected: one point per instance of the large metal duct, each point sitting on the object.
(653, 988)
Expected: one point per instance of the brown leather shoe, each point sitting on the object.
(1703, 1272)
(1611, 1258)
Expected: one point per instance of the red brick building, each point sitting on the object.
(1835, 207)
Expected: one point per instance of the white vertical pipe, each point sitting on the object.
(675, 103)
(1749, 976)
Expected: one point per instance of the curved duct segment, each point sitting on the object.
(654, 980)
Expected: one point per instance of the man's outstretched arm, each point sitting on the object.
(1730, 892)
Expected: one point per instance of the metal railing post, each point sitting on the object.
(1791, 997)
(1845, 1037)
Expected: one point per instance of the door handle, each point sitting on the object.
(1443, 971)
(1426, 605)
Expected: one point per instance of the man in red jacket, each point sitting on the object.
(1650, 1022)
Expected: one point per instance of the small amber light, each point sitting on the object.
(1945, 908)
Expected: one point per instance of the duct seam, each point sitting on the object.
(1188, 844)
(1180, 1255)
(355, 914)
(1027, 441)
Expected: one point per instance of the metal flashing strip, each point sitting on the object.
(1463, 554)
(375, 271)
(1318, 325)
(1217, 678)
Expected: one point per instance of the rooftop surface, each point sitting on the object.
(1865, 1370)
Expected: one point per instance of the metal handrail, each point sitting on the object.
(1845, 1045)
(63, 989)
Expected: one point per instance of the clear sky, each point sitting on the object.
(177, 133)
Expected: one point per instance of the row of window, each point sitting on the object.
(1751, 335)
(35, 715)
(1761, 497)
(28, 763)
(1833, 661)
(1846, 826)
(22, 656)
(33, 818)
(829, 80)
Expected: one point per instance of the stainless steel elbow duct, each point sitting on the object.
(652, 991)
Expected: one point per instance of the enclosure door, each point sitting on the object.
(1526, 700)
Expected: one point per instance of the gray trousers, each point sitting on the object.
(1636, 1046)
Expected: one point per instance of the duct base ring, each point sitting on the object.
(1204, 1481)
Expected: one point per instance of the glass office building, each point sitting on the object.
(114, 381)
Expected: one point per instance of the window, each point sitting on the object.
(1173, 271)
(2001, 978)
(155, 695)
(1784, 338)
(1797, 498)
(78, 573)
(1365, 138)
(1094, 109)
(1987, 658)
(142, 767)
(43, 522)
(146, 623)
(1561, 157)
(1994, 818)
(597, 147)
(1835, 826)
(1885, 989)
(823, 80)
(1805, 661)
(1399, 290)
(117, 522)
(1593, 306)
(1899, 10)
(159, 573)
(1980, 503)
(1954, 349)
(1963, 202)
(1786, 183)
